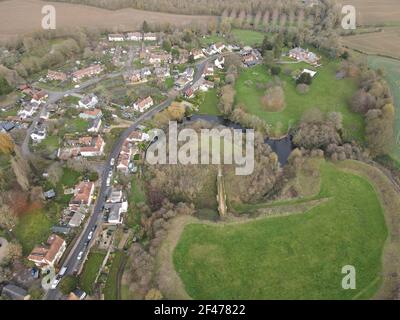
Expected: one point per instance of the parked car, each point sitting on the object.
(90, 235)
(80, 255)
(112, 162)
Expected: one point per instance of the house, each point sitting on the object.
(135, 76)
(84, 146)
(138, 136)
(206, 85)
(77, 294)
(115, 195)
(39, 133)
(88, 101)
(39, 96)
(124, 157)
(304, 55)
(87, 72)
(76, 220)
(91, 114)
(44, 114)
(28, 110)
(182, 82)
(208, 70)
(55, 75)
(134, 36)
(115, 211)
(49, 254)
(143, 104)
(14, 292)
(162, 72)
(83, 194)
(150, 36)
(115, 37)
(159, 58)
(197, 54)
(95, 125)
(188, 73)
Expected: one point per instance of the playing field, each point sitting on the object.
(293, 257)
(326, 93)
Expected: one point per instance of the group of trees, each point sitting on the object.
(374, 101)
(5, 87)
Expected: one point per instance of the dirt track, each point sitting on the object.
(19, 17)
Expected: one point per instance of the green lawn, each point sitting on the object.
(293, 257)
(90, 270)
(248, 37)
(32, 229)
(110, 290)
(391, 70)
(169, 82)
(326, 93)
(70, 177)
(137, 194)
(75, 125)
(50, 144)
(210, 104)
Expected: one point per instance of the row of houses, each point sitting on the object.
(87, 146)
(76, 76)
(132, 36)
(138, 75)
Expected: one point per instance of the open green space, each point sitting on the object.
(209, 104)
(90, 271)
(32, 229)
(326, 93)
(111, 289)
(248, 37)
(294, 257)
(391, 68)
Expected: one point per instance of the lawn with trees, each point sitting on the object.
(293, 257)
(90, 271)
(325, 93)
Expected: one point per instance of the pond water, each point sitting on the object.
(282, 147)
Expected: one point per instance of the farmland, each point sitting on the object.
(18, 17)
(292, 257)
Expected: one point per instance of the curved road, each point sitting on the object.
(71, 262)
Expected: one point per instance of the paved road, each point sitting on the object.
(71, 262)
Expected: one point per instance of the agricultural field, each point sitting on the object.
(391, 68)
(298, 256)
(326, 93)
(386, 42)
(372, 12)
(18, 17)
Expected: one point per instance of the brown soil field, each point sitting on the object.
(386, 43)
(19, 17)
(373, 12)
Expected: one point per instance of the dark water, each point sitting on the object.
(282, 147)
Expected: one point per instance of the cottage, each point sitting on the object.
(95, 125)
(76, 220)
(88, 101)
(91, 114)
(115, 37)
(150, 36)
(304, 55)
(39, 134)
(197, 54)
(84, 146)
(50, 254)
(87, 72)
(134, 36)
(50, 194)
(143, 104)
(83, 194)
(138, 136)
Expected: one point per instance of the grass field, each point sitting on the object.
(90, 270)
(210, 104)
(293, 257)
(110, 290)
(32, 229)
(391, 68)
(326, 93)
(248, 37)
